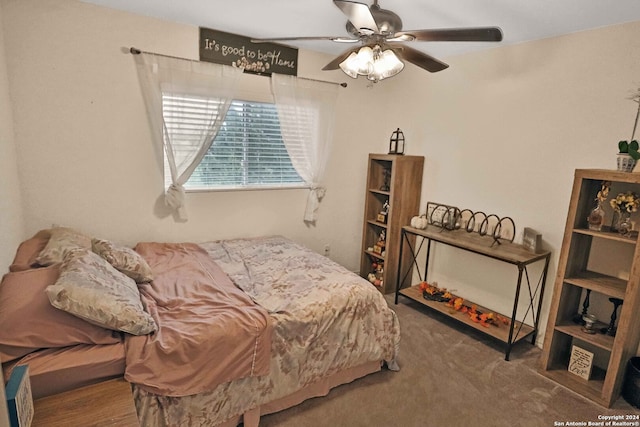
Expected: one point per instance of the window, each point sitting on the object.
(247, 153)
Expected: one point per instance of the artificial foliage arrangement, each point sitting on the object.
(625, 202)
(434, 293)
(603, 194)
(631, 146)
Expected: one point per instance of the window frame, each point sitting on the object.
(226, 188)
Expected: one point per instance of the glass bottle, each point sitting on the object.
(596, 218)
(625, 224)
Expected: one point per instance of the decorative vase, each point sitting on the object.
(596, 218)
(625, 226)
(625, 162)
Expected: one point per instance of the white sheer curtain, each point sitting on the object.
(209, 88)
(306, 109)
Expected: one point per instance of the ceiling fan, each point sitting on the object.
(381, 39)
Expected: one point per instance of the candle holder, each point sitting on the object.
(611, 329)
(589, 322)
(579, 318)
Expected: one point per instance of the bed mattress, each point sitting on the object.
(327, 321)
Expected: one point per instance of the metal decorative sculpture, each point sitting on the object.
(451, 218)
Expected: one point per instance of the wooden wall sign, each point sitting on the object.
(239, 51)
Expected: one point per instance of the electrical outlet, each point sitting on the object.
(327, 250)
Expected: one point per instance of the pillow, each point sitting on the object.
(29, 322)
(124, 259)
(28, 250)
(62, 240)
(90, 288)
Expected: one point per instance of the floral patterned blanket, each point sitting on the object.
(325, 318)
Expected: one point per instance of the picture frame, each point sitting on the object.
(19, 397)
(532, 240)
(580, 362)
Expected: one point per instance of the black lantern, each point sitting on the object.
(396, 143)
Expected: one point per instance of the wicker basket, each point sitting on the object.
(626, 163)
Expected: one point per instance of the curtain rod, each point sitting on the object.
(136, 51)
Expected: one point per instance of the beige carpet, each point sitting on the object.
(448, 377)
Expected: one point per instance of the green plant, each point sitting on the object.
(630, 148)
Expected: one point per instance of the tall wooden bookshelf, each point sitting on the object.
(403, 176)
(574, 279)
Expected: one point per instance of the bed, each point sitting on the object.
(240, 328)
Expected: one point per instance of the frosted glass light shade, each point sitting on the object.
(387, 65)
(374, 63)
(359, 63)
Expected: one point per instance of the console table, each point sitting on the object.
(511, 253)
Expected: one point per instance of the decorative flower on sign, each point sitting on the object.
(625, 202)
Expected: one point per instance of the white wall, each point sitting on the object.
(11, 225)
(11, 214)
(85, 152)
(502, 131)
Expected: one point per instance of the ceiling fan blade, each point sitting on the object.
(477, 34)
(335, 64)
(281, 39)
(359, 15)
(420, 59)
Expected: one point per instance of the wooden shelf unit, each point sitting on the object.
(507, 252)
(403, 196)
(573, 277)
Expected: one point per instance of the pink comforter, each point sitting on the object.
(209, 331)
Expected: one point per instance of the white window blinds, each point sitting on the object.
(248, 151)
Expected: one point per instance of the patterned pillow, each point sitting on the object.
(62, 240)
(90, 288)
(124, 259)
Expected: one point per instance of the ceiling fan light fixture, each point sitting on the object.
(381, 30)
(360, 63)
(374, 63)
(349, 67)
(387, 65)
